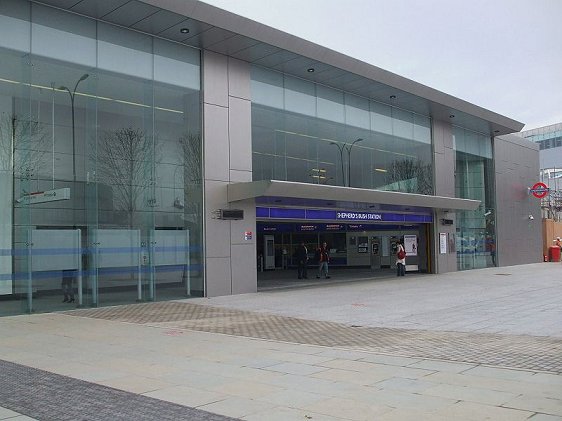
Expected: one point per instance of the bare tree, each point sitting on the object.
(411, 176)
(126, 161)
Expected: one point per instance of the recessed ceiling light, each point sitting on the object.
(452, 116)
(310, 70)
(184, 30)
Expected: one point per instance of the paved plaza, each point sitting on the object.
(477, 345)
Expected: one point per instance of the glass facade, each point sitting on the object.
(310, 133)
(100, 163)
(474, 179)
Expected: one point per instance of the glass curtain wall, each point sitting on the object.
(310, 133)
(100, 159)
(474, 179)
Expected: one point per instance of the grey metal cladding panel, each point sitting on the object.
(174, 33)
(329, 73)
(232, 45)
(158, 22)
(256, 52)
(343, 80)
(209, 37)
(275, 59)
(97, 9)
(297, 66)
(217, 17)
(195, 28)
(358, 85)
(130, 13)
(65, 4)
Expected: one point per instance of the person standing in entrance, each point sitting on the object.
(323, 259)
(302, 259)
(68, 286)
(400, 259)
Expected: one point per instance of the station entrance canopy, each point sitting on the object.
(293, 193)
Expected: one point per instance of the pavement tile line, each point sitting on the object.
(509, 351)
(51, 397)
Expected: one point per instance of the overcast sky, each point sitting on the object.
(503, 55)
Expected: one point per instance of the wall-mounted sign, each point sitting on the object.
(361, 216)
(247, 235)
(45, 196)
(411, 245)
(539, 190)
(442, 243)
(307, 227)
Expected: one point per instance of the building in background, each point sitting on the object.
(549, 139)
(157, 150)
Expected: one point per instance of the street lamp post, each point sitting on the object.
(347, 148)
(349, 161)
(340, 148)
(72, 95)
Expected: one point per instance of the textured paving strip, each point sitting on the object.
(47, 396)
(513, 351)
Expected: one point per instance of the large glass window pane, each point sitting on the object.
(14, 25)
(124, 51)
(63, 36)
(474, 179)
(267, 87)
(332, 137)
(330, 104)
(300, 96)
(100, 165)
(357, 112)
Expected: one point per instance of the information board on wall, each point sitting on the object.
(411, 245)
(442, 243)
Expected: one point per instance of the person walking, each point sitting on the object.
(323, 260)
(302, 259)
(400, 260)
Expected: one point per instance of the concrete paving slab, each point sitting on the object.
(194, 355)
(549, 406)
(5, 413)
(470, 394)
(349, 409)
(477, 412)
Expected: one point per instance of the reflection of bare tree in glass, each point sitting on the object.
(410, 176)
(27, 139)
(191, 155)
(125, 162)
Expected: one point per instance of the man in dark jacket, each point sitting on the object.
(301, 255)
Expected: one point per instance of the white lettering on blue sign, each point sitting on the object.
(362, 216)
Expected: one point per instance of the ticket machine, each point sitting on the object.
(269, 252)
(375, 251)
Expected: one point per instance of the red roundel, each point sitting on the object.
(539, 190)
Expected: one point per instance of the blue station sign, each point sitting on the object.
(359, 216)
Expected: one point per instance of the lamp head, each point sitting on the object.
(84, 77)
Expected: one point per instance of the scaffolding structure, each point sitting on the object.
(551, 204)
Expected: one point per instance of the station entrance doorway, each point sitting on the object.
(365, 248)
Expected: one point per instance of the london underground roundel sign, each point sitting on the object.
(539, 190)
